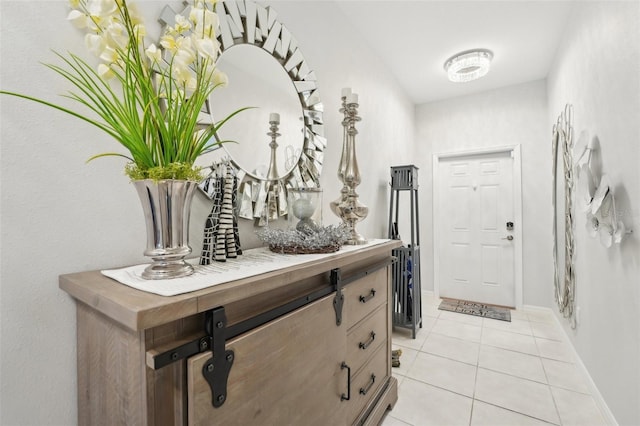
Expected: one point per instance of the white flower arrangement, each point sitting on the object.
(148, 97)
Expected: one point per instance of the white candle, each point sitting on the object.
(274, 116)
(352, 98)
(346, 92)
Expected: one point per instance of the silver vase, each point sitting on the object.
(167, 208)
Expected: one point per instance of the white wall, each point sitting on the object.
(597, 69)
(508, 116)
(60, 215)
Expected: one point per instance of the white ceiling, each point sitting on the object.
(416, 37)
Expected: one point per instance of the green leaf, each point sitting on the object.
(143, 108)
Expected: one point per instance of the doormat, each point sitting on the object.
(477, 309)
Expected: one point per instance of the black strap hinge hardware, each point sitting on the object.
(338, 300)
(216, 369)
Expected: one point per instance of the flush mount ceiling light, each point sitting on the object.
(468, 65)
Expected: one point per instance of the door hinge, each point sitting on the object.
(216, 369)
(338, 300)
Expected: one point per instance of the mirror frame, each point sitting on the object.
(564, 279)
(245, 22)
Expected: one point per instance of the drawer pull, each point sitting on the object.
(348, 396)
(363, 391)
(365, 299)
(366, 344)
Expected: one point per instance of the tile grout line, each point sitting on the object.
(477, 363)
(522, 378)
(421, 349)
(600, 402)
(518, 412)
(553, 398)
(475, 381)
(439, 387)
(478, 366)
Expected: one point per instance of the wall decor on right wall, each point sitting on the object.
(595, 195)
(563, 241)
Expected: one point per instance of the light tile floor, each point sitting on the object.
(466, 370)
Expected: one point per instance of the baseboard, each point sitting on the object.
(537, 308)
(593, 389)
(428, 293)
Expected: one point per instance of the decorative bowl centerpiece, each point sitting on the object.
(326, 239)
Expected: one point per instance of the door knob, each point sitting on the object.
(508, 237)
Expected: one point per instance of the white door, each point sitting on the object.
(475, 241)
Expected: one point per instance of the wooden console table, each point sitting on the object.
(302, 345)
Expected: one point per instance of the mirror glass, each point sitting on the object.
(259, 81)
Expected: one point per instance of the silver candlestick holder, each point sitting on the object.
(348, 207)
(272, 200)
(342, 167)
(274, 121)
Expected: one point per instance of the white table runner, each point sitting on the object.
(252, 262)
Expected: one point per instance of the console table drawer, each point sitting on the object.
(368, 381)
(364, 339)
(363, 296)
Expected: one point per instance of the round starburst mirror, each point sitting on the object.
(267, 71)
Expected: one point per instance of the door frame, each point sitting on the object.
(515, 152)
